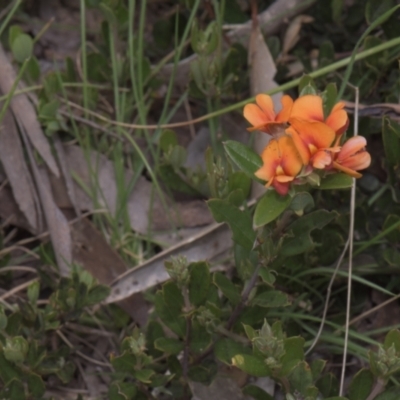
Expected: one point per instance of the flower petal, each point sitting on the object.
(352, 146)
(281, 188)
(284, 114)
(338, 119)
(314, 133)
(308, 107)
(321, 159)
(290, 157)
(301, 146)
(254, 115)
(358, 161)
(267, 106)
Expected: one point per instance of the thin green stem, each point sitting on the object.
(10, 14)
(84, 56)
(10, 94)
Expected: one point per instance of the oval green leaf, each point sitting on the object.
(250, 364)
(336, 181)
(22, 47)
(246, 159)
(270, 207)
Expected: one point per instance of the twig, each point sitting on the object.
(18, 268)
(245, 296)
(328, 297)
(374, 309)
(351, 241)
(17, 289)
(80, 354)
(378, 388)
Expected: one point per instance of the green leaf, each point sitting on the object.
(361, 385)
(300, 202)
(256, 392)
(200, 339)
(239, 180)
(8, 371)
(204, 373)
(169, 304)
(392, 338)
(33, 292)
(246, 159)
(122, 391)
(300, 378)
(36, 385)
(251, 364)
(3, 318)
(175, 181)
(144, 375)
(66, 373)
(168, 139)
(250, 331)
(97, 294)
(338, 398)
(329, 97)
(230, 291)
(391, 394)
(393, 236)
(391, 141)
(225, 349)
(199, 282)
(337, 8)
(317, 366)
(239, 221)
(13, 32)
(328, 385)
(374, 9)
(301, 228)
(22, 47)
(15, 390)
(270, 206)
(169, 345)
(271, 299)
(16, 349)
(336, 181)
(307, 86)
(124, 363)
(294, 352)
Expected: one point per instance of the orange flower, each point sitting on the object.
(310, 108)
(313, 141)
(262, 115)
(353, 157)
(282, 163)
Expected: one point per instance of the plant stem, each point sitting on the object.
(245, 295)
(377, 389)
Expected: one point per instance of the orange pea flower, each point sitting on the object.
(353, 157)
(282, 163)
(263, 116)
(313, 140)
(310, 108)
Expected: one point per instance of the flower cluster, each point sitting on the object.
(304, 140)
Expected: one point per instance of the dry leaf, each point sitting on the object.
(92, 251)
(262, 75)
(186, 214)
(9, 211)
(13, 161)
(292, 32)
(208, 244)
(66, 174)
(57, 224)
(25, 114)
